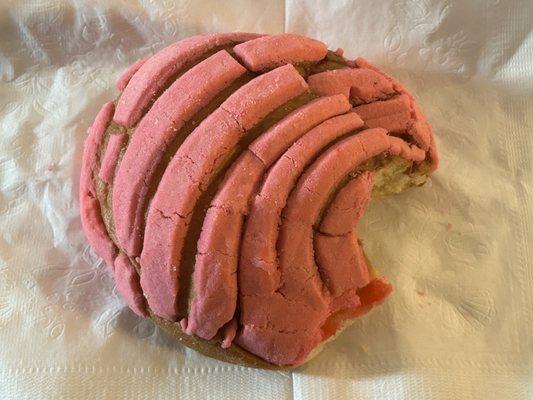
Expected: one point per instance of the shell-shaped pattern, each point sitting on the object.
(224, 186)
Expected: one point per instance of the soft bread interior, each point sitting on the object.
(398, 175)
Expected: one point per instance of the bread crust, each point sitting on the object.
(384, 103)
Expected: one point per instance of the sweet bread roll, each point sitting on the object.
(223, 189)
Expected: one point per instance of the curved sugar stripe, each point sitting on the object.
(367, 84)
(213, 304)
(190, 172)
(397, 106)
(342, 264)
(419, 128)
(263, 95)
(273, 51)
(399, 147)
(240, 182)
(112, 152)
(274, 328)
(348, 206)
(266, 326)
(258, 263)
(125, 77)
(128, 286)
(180, 102)
(91, 217)
(154, 73)
(399, 114)
(393, 115)
(337, 251)
(215, 283)
(361, 85)
(273, 143)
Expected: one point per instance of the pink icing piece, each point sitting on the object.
(239, 183)
(273, 51)
(190, 172)
(125, 77)
(273, 143)
(337, 251)
(393, 115)
(215, 278)
(360, 85)
(398, 105)
(399, 114)
(342, 264)
(215, 283)
(349, 205)
(419, 128)
(184, 98)
(128, 285)
(155, 72)
(398, 147)
(276, 328)
(110, 160)
(270, 295)
(91, 217)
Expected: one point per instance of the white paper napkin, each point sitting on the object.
(458, 250)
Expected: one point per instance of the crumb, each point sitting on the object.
(50, 167)
(449, 226)
(421, 293)
(339, 52)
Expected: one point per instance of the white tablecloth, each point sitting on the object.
(458, 250)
